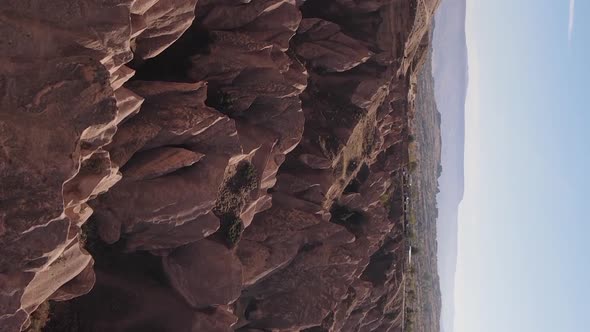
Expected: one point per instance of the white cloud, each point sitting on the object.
(570, 30)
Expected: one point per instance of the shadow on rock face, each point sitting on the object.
(172, 65)
(351, 219)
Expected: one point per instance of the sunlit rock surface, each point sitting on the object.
(205, 165)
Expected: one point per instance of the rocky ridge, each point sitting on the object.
(229, 170)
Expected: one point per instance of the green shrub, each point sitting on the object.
(231, 229)
(223, 102)
(232, 195)
(385, 200)
(39, 318)
(92, 166)
(244, 179)
(234, 231)
(89, 235)
(231, 200)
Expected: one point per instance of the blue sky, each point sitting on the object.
(524, 224)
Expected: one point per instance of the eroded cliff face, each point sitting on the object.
(231, 170)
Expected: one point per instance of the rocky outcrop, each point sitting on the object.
(63, 98)
(232, 169)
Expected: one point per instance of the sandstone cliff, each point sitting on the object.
(211, 165)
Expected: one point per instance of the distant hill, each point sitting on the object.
(426, 150)
(450, 76)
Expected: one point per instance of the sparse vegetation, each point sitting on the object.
(412, 219)
(244, 179)
(92, 166)
(411, 234)
(223, 102)
(329, 145)
(343, 215)
(385, 198)
(369, 144)
(231, 196)
(39, 317)
(232, 229)
(88, 236)
(231, 200)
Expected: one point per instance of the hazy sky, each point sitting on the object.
(524, 223)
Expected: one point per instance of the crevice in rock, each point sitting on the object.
(172, 65)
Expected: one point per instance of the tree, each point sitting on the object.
(413, 166)
(411, 138)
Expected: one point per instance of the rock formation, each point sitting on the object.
(210, 165)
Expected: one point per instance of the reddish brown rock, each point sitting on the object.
(242, 181)
(215, 320)
(269, 20)
(158, 24)
(63, 78)
(205, 273)
(38, 210)
(132, 302)
(324, 46)
(167, 194)
(157, 162)
(80, 285)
